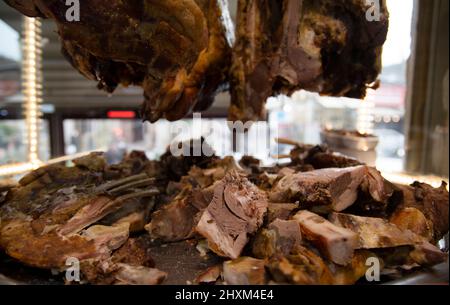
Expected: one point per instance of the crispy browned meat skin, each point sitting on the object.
(414, 220)
(177, 50)
(324, 46)
(355, 270)
(304, 267)
(301, 267)
(432, 203)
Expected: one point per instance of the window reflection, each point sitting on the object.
(12, 131)
(13, 148)
(116, 137)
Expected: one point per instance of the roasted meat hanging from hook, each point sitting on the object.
(324, 46)
(177, 50)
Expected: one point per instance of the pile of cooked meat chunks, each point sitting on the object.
(317, 219)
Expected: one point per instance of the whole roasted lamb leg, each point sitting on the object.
(332, 47)
(177, 50)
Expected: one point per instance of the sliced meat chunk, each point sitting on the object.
(131, 264)
(335, 243)
(426, 254)
(136, 221)
(7, 184)
(336, 189)
(244, 271)
(117, 194)
(210, 275)
(375, 233)
(281, 236)
(204, 178)
(265, 244)
(319, 156)
(288, 233)
(175, 221)
(379, 189)
(236, 211)
(379, 234)
(135, 252)
(138, 275)
(107, 238)
(281, 211)
(134, 213)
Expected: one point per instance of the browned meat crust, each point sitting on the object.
(433, 203)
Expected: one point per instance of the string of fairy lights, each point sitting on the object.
(32, 84)
(32, 94)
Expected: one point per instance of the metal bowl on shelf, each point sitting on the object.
(352, 144)
(351, 140)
